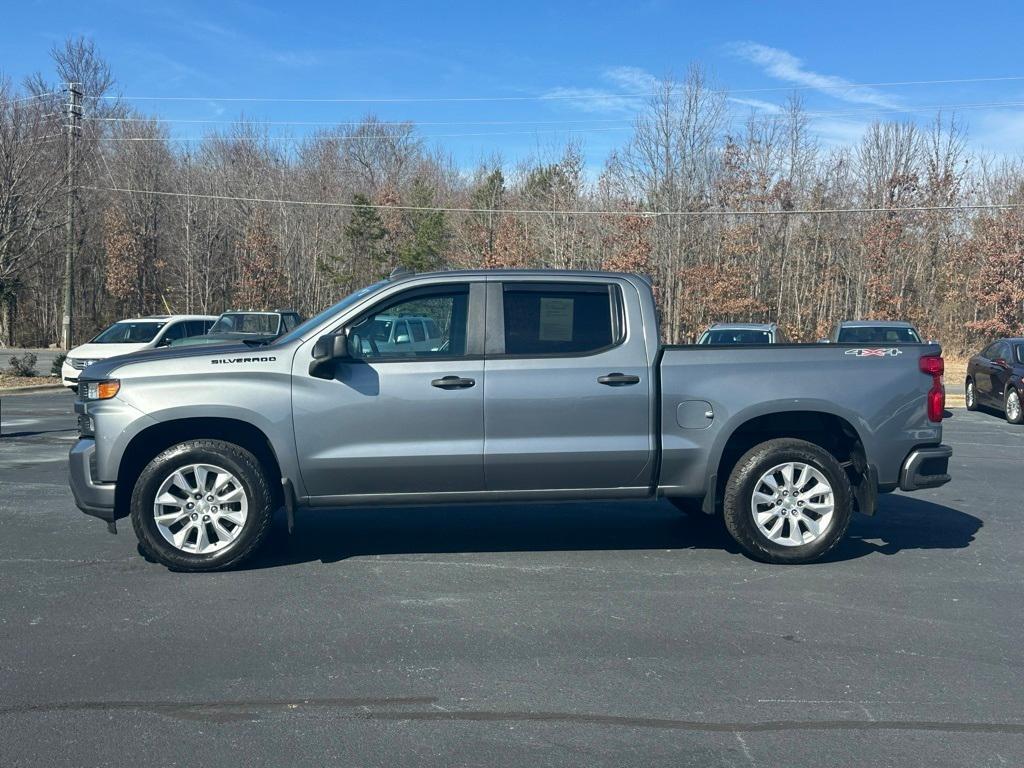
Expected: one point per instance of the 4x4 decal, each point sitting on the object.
(874, 352)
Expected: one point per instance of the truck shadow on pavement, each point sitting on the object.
(330, 536)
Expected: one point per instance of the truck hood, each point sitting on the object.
(103, 351)
(105, 368)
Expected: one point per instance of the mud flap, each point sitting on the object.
(289, 503)
(865, 491)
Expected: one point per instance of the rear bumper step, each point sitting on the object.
(926, 468)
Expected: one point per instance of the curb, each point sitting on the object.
(29, 389)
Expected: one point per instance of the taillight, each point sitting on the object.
(934, 366)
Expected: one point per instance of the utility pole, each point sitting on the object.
(74, 114)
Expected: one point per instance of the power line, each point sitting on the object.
(558, 212)
(355, 137)
(35, 96)
(414, 123)
(355, 122)
(555, 96)
(602, 129)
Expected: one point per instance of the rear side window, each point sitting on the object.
(416, 326)
(433, 332)
(560, 319)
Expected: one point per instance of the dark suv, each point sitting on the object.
(994, 378)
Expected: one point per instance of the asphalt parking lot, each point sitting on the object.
(571, 634)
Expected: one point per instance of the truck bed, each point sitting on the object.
(712, 395)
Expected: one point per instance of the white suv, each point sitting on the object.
(127, 336)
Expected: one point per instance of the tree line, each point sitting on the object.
(750, 221)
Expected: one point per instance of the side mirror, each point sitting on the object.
(326, 350)
(402, 338)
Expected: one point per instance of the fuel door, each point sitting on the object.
(695, 414)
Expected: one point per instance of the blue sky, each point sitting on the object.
(593, 56)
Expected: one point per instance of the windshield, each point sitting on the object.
(878, 334)
(129, 333)
(246, 322)
(736, 336)
(332, 310)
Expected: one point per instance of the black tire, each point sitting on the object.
(235, 459)
(739, 490)
(970, 395)
(1018, 418)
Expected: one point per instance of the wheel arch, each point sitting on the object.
(148, 443)
(831, 431)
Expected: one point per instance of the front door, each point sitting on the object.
(567, 404)
(402, 419)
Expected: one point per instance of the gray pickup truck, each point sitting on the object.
(541, 385)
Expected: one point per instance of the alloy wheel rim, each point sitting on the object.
(970, 393)
(792, 504)
(1013, 405)
(200, 508)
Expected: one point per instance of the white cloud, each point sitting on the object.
(839, 132)
(632, 79)
(760, 106)
(629, 88)
(785, 66)
(998, 131)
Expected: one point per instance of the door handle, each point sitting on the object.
(618, 379)
(452, 382)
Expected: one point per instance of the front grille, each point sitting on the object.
(79, 364)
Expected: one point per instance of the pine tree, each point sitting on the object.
(365, 233)
(423, 250)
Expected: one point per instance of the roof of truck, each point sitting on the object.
(516, 273)
(875, 324)
(743, 326)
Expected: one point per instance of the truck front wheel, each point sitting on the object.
(202, 505)
(787, 501)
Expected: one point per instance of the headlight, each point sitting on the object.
(100, 390)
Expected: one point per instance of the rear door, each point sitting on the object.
(567, 402)
(983, 374)
(396, 420)
(1002, 370)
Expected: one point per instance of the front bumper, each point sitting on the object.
(92, 497)
(926, 468)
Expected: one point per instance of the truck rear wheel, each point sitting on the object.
(787, 501)
(202, 505)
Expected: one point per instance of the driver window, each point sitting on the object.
(175, 332)
(385, 333)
